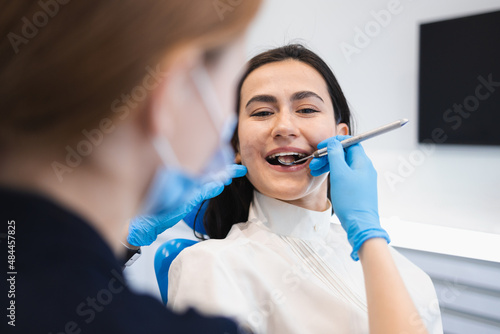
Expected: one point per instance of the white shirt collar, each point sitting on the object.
(289, 220)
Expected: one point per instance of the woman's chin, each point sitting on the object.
(293, 189)
(286, 193)
(289, 188)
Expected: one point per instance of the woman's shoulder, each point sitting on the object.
(249, 247)
(211, 247)
(242, 236)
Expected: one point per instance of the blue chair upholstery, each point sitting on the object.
(164, 256)
(167, 252)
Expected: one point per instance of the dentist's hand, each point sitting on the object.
(353, 184)
(143, 230)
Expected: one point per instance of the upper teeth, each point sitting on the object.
(272, 156)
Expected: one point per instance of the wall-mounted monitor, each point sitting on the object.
(459, 80)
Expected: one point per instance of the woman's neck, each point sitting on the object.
(316, 200)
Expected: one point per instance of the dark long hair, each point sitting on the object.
(232, 205)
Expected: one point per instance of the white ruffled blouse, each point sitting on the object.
(287, 270)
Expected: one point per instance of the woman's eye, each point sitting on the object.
(307, 111)
(261, 114)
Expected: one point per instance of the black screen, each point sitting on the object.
(459, 83)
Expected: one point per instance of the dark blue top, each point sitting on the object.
(65, 278)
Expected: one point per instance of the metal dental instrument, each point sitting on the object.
(351, 141)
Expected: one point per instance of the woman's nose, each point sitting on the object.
(284, 125)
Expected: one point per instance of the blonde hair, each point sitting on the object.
(63, 63)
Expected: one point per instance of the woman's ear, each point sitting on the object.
(342, 129)
(235, 142)
(237, 158)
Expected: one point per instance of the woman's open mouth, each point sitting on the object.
(287, 157)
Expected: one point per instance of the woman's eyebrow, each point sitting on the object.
(272, 99)
(304, 95)
(262, 98)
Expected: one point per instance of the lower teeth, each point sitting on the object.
(286, 159)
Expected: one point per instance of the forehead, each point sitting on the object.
(284, 78)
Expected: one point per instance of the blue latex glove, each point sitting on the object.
(353, 190)
(143, 230)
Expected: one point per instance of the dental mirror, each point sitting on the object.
(349, 142)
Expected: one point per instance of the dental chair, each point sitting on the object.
(169, 250)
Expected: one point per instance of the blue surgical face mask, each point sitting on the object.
(173, 187)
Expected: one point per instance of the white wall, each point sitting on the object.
(456, 186)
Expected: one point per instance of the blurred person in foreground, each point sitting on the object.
(109, 109)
